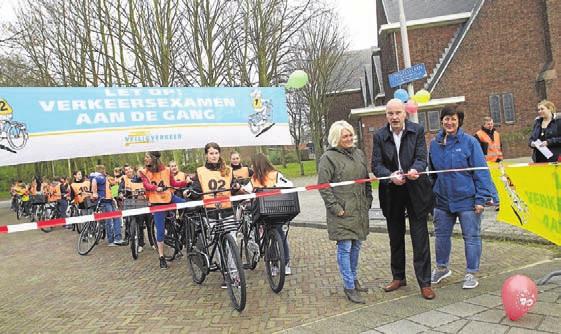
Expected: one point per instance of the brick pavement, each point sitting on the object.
(454, 311)
(47, 287)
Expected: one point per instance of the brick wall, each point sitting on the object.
(426, 46)
(340, 106)
(494, 60)
(553, 9)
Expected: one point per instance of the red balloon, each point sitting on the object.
(519, 295)
(411, 107)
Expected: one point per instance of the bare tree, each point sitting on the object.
(212, 26)
(298, 122)
(270, 28)
(320, 48)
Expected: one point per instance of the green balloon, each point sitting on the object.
(297, 79)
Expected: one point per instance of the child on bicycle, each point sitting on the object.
(266, 176)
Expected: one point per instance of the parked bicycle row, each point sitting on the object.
(212, 238)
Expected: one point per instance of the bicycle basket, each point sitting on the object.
(276, 209)
(134, 203)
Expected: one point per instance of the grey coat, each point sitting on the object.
(337, 165)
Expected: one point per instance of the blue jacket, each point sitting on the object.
(459, 191)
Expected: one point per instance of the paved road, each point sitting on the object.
(47, 287)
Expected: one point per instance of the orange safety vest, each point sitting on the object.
(134, 186)
(81, 191)
(159, 179)
(180, 176)
(242, 173)
(54, 193)
(270, 181)
(212, 180)
(494, 152)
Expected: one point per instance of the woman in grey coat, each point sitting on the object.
(347, 206)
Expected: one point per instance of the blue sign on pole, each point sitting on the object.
(415, 72)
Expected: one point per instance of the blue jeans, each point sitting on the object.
(112, 226)
(160, 219)
(347, 259)
(470, 223)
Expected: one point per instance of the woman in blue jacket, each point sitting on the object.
(458, 194)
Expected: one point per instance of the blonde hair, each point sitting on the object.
(549, 105)
(336, 130)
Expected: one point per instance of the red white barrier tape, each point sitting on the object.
(224, 199)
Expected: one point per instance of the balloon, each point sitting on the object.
(297, 79)
(411, 107)
(422, 96)
(519, 294)
(401, 94)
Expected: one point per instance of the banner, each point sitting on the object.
(42, 124)
(530, 198)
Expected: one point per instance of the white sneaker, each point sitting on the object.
(274, 271)
(140, 249)
(287, 270)
(470, 281)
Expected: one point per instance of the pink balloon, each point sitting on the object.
(519, 295)
(411, 107)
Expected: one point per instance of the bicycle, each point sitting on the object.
(208, 233)
(14, 132)
(48, 211)
(134, 224)
(91, 233)
(74, 211)
(260, 237)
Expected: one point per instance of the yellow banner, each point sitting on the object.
(530, 197)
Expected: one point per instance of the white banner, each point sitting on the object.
(42, 124)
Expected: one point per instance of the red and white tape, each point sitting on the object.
(220, 199)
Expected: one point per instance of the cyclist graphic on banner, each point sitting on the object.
(262, 118)
(14, 132)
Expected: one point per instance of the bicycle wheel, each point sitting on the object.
(274, 259)
(17, 135)
(87, 238)
(249, 249)
(19, 210)
(134, 238)
(232, 270)
(170, 242)
(196, 259)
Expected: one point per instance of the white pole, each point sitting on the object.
(406, 56)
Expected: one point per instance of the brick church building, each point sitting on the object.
(495, 58)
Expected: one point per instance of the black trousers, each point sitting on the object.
(419, 237)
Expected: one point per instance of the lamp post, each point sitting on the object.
(406, 56)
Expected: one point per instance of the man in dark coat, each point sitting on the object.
(405, 190)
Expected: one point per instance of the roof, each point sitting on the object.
(421, 9)
(350, 71)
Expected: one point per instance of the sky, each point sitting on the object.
(357, 16)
